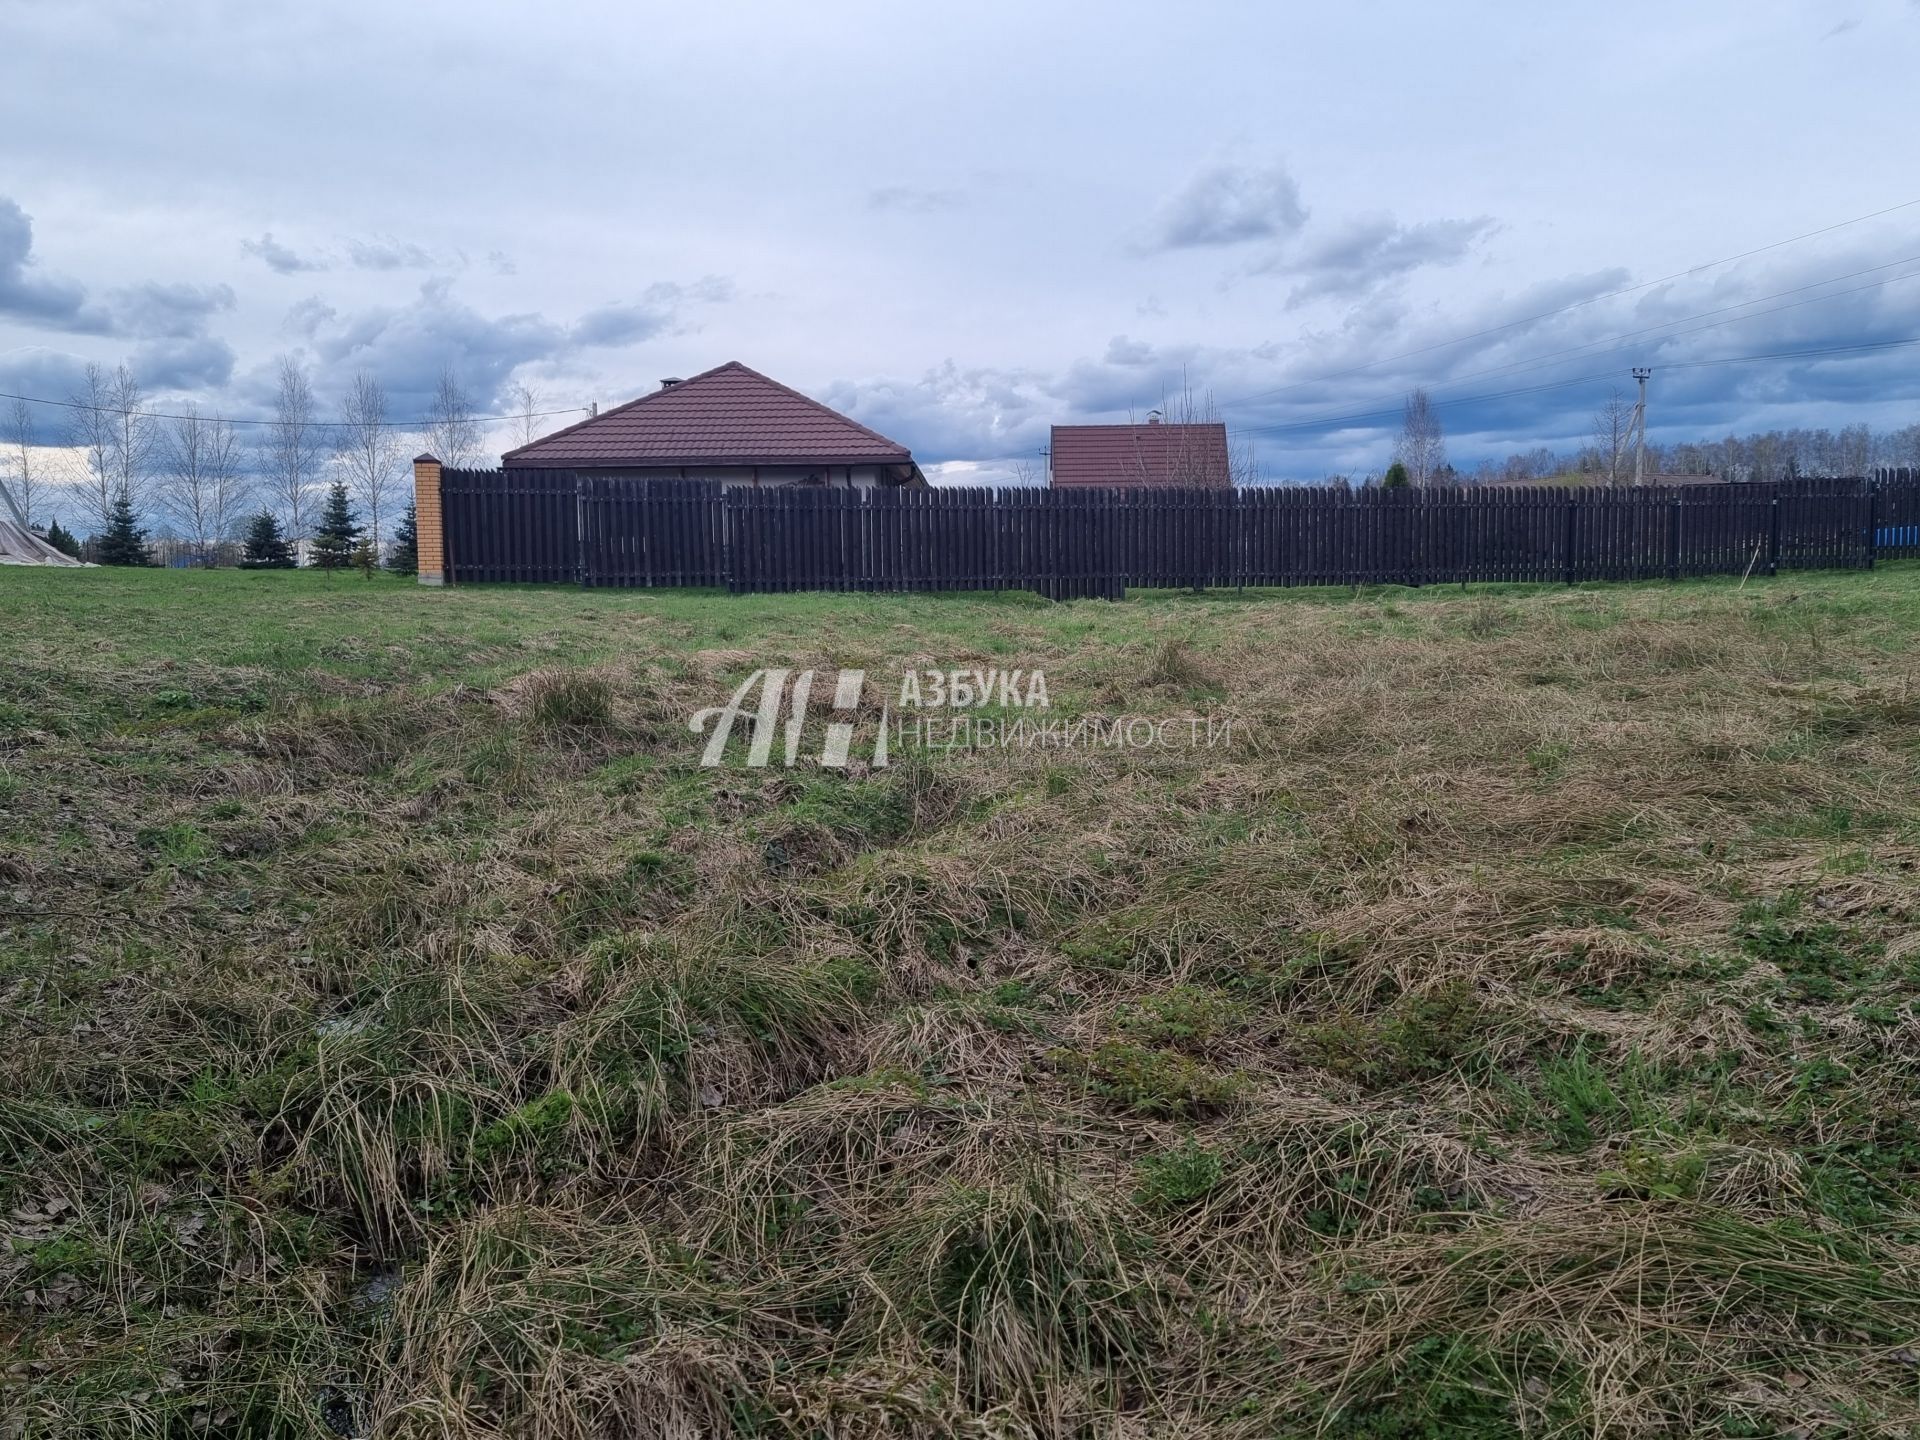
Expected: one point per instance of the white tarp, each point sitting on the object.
(18, 544)
(22, 547)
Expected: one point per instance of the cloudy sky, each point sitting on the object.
(962, 223)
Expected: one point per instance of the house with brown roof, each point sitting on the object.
(1153, 454)
(731, 425)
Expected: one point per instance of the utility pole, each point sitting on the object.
(1639, 428)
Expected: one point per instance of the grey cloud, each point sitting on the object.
(35, 370)
(55, 304)
(658, 311)
(1132, 377)
(1228, 205)
(911, 200)
(409, 345)
(374, 252)
(167, 311)
(278, 257)
(193, 363)
(307, 316)
(1365, 254)
(1347, 420)
(621, 324)
(386, 253)
(147, 311)
(951, 413)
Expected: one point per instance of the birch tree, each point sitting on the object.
(1612, 423)
(453, 435)
(27, 487)
(115, 439)
(206, 487)
(369, 451)
(294, 450)
(1422, 447)
(139, 442)
(527, 423)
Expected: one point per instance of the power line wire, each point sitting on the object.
(1564, 309)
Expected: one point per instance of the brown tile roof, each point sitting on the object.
(729, 415)
(1151, 454)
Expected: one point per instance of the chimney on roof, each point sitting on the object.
(593, 408)
(1153, 417)
(669, 382)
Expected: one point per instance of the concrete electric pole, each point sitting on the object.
(1639, 428)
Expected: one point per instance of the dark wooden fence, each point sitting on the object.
(555, 525)
(1896, 533)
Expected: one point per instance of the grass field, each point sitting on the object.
(1513, 1031)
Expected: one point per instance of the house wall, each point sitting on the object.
(859, 477)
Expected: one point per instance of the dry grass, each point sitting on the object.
(1512, 1032)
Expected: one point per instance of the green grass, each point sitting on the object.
(1512, 1032)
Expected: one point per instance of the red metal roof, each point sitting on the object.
(729, 415)
(1151, 454)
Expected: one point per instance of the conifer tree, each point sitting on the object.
(123, 542)
(63, 540)
(404, 558)
(266, 547)
(338, 533)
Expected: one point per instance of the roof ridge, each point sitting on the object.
(731, 366)
(622, 407)
(871, 434)
(1146, 425)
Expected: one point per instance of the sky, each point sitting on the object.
(962, 224)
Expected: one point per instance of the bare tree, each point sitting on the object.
(453, 435)
(1191, 457)
(1612, 424)
(1853, 449)
(205, 489)
(1422, 447)
(116, 440)
(139, 440)
(369, 451)
(1243, 464)
(27, 482)
(527, 423)
(294, 451)
(91, 431)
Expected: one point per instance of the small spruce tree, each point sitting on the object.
(266, 548)
(1395, 478)
(63, 540)
(365, 558)
(123, 542)
(338, 532)
(404, 558)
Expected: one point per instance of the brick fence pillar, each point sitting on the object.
(428, 526)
